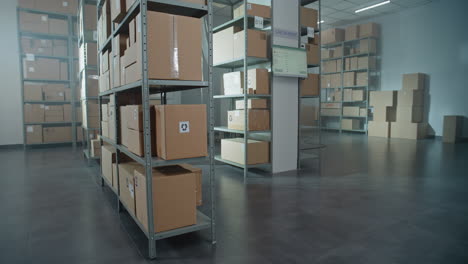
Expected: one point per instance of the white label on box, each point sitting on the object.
(44, 18)
(184, 127)
(46, 107)
(310, 32)
(258, 22)
(117, 4)
(41, 106)
(30, 129)
(60, 94)
(30, 57)
(95, 35)
(135, 114)
(64, 4)
(31, 69)
(249, 6)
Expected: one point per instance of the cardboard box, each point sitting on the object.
(383, 98)
(332, 35)
(362, 79)
(223, 46)
(63, 71)
(339, 52)
(327, 54)
(351, 110)
(34, 134)
(330, 111)
(105, 112)
(310, 86)
(353, 64)
(95, 150)
(108, 154)
(339, 65)
(31, 22)
(363, 112)
(90, 21)
(118, 10)
(335, 80)
(123, 126)
(258, 82)
(385, 114)
(337, 96)
(181, 131)
(453, 129)
(174, 197)
(39, 68)
(33, 113)
(233, 149)
(349, 79)
(252, 10)
(259, 120)
(408, 114)
(308, 115)
(313, 56)
(411, 98)
(413, 81)
(309, 17)
(367, 63)
(105, 62)
(358, 95)
(348, 95)
(58, 26)
(252, 104)
(329, 66)
(350, 124)
(368, 46)
(67, 113)
(352, 32)
(127, 184)
(409, 130)
(257, 44)
(53, 113)
(105, 129)
(56, 134)
(379, 129)
(369, 30)
(32, 92)
(315, 40)
(53, 92)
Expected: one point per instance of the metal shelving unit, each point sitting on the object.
(310, 139)
(70, 59)
(147, 87)
(371, 85)
(86, 71)
(244, 64)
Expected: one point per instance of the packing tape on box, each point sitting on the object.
(175, 53)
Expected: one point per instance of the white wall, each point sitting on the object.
(431, 39)
(11, 131)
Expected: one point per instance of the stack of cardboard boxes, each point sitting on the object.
(56, 6)
(384, 105)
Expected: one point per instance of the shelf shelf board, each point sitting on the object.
(310, 96)
(336, 44)
(355, 130)
(359, 55)
(330, 116)
(359, 70)
(237, 63)
(309, 127)
(158, 86)
(230, 96)
(177, 7)
(305, 156)
(45, 56)
(312, 66)
(331, 59)
(63, 16)
(307, 2)
(358, 39)
(109, 185)
(235, 131)
(49, 144)
(158, 162)
(132, 12)
(50, 123)
(47, 102)
(235, 164)
(239, 22)
(355, 87)
(355, 102)
(354, 116)
(46, 81)
(105, 45)
(43, 35)
(328, 73)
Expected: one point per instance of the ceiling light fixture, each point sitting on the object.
(372, 6)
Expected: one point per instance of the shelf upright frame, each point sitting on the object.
(246, 91)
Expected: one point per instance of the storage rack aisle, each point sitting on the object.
(347, 85)
(310, 143)
(249, 62)
(134, 89)
(48, 82)
(88, 78)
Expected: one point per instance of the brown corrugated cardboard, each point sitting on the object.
(58, 26)
(408, 114)
(31, 22)
(349, 79)
(383, 98)
(259, 120)
(53, 92)
(337, 96)
(105, 112)
(313, 56)
(90, 23)
(413, 81)
(351, 110)
(174, 198)
(30, 4)
(252, 104)
(367, 63)
(223, 46)
(56, 134)
(379, 129)
(329, 66)
(411, 98)
(358, 95)
(253, 10)
(67, 113)
(309, 17)
(332, 35)
(111, 123)
(348, 95)
(315, 40)
(350, 124)
(33, 113)
(53, 113)
(409, 130)
(353, 63)
(385, 114)
(369, 30)
(95, 148)
(234, 150)
(34, 134)
(199, 181)
(352, 32)
(258, 82)
(108, 154)
(310, 86)
(32, 92)
(368, 46)
(118, 10)
(362, 79)
(63, 71)
(91, 53)
(181, 131)
(257, 44)
(335, 80)
(127, 184)
(338, 52)
(339, 65)
(453, 129)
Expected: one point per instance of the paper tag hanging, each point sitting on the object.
(258, 22)
(184, 127)
(310, 32)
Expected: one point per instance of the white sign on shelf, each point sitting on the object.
(289, 62)
(258, 22)
(310, 32)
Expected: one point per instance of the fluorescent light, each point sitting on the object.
(372, 6)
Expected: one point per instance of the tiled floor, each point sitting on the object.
(374, 201)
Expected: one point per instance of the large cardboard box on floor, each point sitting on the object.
(34, 113)
(379, 129)
(181, 131)
(313, 54)
(309, 17)
(34, 134)
(385, 114)
(408, 114)
(252, 104)
(413, 81)
(350, 124)
(257, 44)
(259, 120)
(409, 130)
(258, 82)
(174, 197)
(252, 10)
(310, 86)
(127, 184)
(233, 149)
(57, 134)
(383, 98)
(332, 35)
(32, 92)
(411, 98)
(352, 32)
(369, 30)
(108, 154)
(453, 129)
(367, 63)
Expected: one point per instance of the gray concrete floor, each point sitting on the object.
(374, 201)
